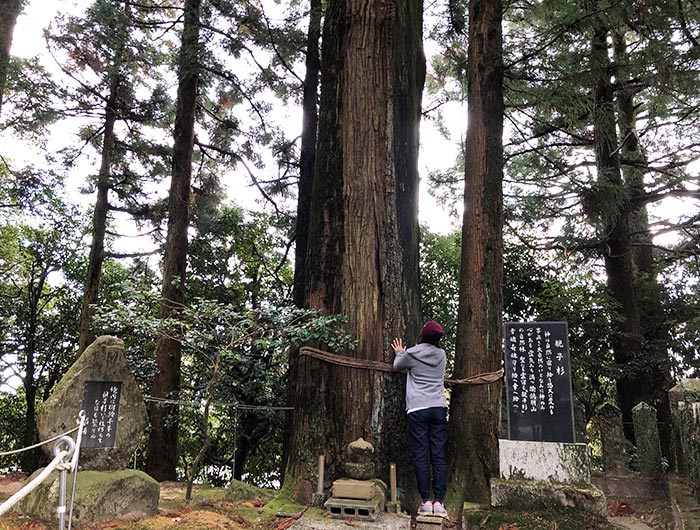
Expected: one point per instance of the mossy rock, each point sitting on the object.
(360, 470)
(99, 496)
(241, 491)
(533, 494)
(533, 519)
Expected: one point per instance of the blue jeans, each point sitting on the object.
(427, 431)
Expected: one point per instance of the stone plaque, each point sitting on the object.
(101, 406)
(538, 380)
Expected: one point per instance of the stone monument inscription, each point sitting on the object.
(538, 382)
(101, 406)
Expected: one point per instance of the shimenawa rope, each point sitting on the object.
(367, 364)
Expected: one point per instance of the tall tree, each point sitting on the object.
(108, 62)
(307, 156)
(362, 210)
(618, 258)
(9, 11)
(474, 410)
(161, 462)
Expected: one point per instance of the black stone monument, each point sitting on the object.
(101, 406)
(538, 381)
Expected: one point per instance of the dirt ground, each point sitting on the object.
(209, 510)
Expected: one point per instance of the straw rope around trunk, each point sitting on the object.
(366, 364)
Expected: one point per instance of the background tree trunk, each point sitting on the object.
(99, 227)
(307, 157)
(474, 410)
(613, 215)
(371, 77)
(653, 322)
(161, 462)
(9, 11)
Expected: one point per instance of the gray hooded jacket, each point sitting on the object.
(425, 365)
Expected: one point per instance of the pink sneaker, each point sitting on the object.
(439, 509)
(426, 508)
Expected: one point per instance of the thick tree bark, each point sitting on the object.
(613, 215)
(161, 462)
(372, 76)
(474, 410)
(653, 324)
(9, 11)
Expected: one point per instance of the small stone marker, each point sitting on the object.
(100, 383)
(646, 434)
(612, 439)
(357, 497)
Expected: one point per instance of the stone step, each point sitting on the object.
(429, 522)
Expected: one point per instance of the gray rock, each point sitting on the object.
(536, 494)
(103, 360)
(99, 496)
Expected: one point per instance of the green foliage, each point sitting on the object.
(249, 348)
(12, 407)
(37, 307)
(439, 281)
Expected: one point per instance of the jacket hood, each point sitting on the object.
(426, 354)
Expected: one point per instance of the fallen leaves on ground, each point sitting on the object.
(509, 526)
(620, 509)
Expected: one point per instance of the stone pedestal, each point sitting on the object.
(531, 494)
(355, 508)
(549, 461)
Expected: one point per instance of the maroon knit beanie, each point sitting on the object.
(431, 333)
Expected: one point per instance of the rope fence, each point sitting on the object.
(30, 447)
(65, 460)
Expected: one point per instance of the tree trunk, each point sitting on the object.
(474, 410)
(613, 216)
(371, 81)
(161, 462)
(9, 11)
(99, 227)
(307, 156)
(31, 459)
(653, 324)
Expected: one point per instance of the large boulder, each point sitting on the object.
(99, 496)
(102, 363)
